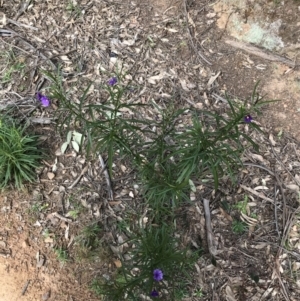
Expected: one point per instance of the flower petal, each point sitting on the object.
(158, 275)
(45, 101)
(112, 81)
(248, 118)
(154, 293)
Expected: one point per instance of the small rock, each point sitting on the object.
(58, 152)
(48, 240)
(50, 175)
(211, 15)
(46, 296)
(62, 189)
(199, 105)
(25, 244)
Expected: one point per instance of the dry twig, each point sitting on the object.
(20, 24)
(79, 177)
(198, 53)
(258, 194)
(65, 219)
(25, 287)
(281, 189)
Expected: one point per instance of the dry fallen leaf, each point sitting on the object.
(48, 240)
(190, 20)
(293, 187)
(258, 157)
(184, 85)
(3, 20)
(229, 294)
(212, 80)
(153, 79)
(225, 214)
(192, 196)
(297, 178)
(40, 260)
(114, 203)
(296, 266)
(118, 263)
(199, 105)
(116, 250)
(261, 188)
(272, 140)
(171, 29)
(211, 15)
(249, 220)
(259, 245)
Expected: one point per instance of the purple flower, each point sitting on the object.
(112, 81)
(248, 118)
(45, 101)
(158, 275)
(154, 293)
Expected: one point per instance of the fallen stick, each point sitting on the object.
(107, 177)
(210, 239)
(261, 53)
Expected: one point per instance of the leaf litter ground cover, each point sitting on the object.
(75, 231)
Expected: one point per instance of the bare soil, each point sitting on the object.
(169, 46)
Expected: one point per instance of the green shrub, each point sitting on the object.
(19, 154)
(157, 267)
(167, 159)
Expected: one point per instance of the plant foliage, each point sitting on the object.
(19, 154)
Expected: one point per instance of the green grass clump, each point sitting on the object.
(13, 65)
(62, 255)
(19, 154)
(90, 237)
(239, 227)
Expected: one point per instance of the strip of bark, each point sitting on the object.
(261, 53)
